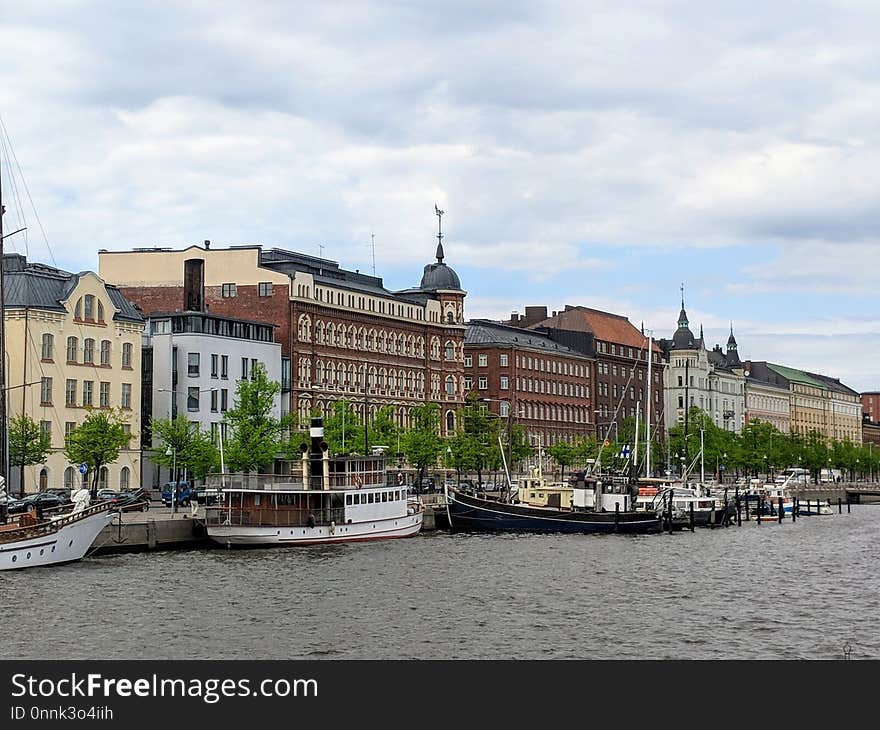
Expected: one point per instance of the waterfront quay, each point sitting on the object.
(162, 529)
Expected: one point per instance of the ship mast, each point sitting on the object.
(4, 430)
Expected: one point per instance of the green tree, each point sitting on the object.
(422, 443)
(192, 449)
(384, 430)
(28, 444)
(564, 454)
(343, 429)
(480, 430)
(96, 442)
(255, 434)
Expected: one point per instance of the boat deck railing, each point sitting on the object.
(46, 527)
(259, 517)
(270, 482)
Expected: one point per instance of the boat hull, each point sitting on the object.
(258, 535)
(472, 513)
(69, 543)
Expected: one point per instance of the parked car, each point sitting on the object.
(106, 495)
(184, 495)
(133, 499)
(44, 500)
(206, 495)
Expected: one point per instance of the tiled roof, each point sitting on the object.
(604, 325)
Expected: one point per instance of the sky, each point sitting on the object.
(586, 153)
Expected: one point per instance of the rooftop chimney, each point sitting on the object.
(207, 244)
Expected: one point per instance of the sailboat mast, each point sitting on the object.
(4, 431)
(648, 409)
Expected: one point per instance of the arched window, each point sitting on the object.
(319, 372)
(77, 310)
(342, 336)
(89, 351)
(382, 377)
(100, 311)
(450, 422)
(126, 354)
(383, 341)
(305, 328)
(48, 349)
(371, 340)
(44, 480)
(319, 332)
(89, 307)
(392, 380)
(450, 350)
(450, 318)
(105, 352)
(69, 475)
(103, 477)
(372, 381)
(331, 373)
(450, 385)
(72, 349)
(124, 477)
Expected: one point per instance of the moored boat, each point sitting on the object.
(580, 506)
(33, 540)
(332, 500)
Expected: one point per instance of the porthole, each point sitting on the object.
(42, 551)
(14, 558)
(53, 548)
(28, 555)
(70, 543)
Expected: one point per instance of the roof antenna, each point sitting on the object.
(320, 250)
(373, 244)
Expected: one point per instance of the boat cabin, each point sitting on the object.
(539, 493)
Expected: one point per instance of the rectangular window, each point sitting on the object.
(484, 382)
(224, 400)
(104, 395)
(192, 399)
(192, 364)
(468, 361)
(505, 408)
(468, 382)
(105, 352)
(126, 355)
(504, 360)
(88, 387)
(72, 349)
(265, 288)
(215, 364)
(46, 430)
(224, 366)
(126, 395)
(48, 341)
(483, 360)
(228, 290)
(89, 350)
(46, 391)
(504, 382)
(244, 368)
(253, 367)
(70, 393)
(68, 429)
(214, 401)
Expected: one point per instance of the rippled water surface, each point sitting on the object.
(772, 591)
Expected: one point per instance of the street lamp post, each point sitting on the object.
(172, 452)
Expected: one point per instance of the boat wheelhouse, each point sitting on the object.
(339, 499)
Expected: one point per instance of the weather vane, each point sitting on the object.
(439, 221)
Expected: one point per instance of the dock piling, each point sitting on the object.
(691, 505)
(781, 510)
(839, 506)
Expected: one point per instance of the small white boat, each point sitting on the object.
(344, 499)
(30, 541)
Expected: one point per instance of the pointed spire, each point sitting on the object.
(701, 331)
(682, 315)
(439, 214)
(731, 341)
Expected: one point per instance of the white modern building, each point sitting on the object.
(192, 362)
(711, 380)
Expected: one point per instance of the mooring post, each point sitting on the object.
(739, 520)
(794, 509)
(847, 503)
(616, 515)
(759, 510)
(839, 506)
(747, 508)
(669, 522)
(691, 505)
(781, 510)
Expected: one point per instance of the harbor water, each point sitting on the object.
(801, 590)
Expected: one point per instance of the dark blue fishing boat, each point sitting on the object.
(544, 507)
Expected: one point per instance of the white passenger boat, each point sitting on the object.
(332, 500)
(31, 540)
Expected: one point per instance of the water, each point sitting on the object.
(791, 591)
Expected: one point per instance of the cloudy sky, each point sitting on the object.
(596, 153)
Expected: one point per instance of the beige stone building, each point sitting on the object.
(73, 343)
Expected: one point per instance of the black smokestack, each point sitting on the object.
(316, 453)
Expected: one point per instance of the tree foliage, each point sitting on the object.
(97, 441)
(28, 444)
(422, 443)
(192, 449)
(255, 435)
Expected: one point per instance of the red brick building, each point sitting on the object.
(343, 334)
(871, 406)
(546, 383)
(621, 363)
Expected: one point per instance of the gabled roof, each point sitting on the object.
(38, 286)
(604, 326)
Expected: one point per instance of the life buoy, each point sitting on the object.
(358, 482)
